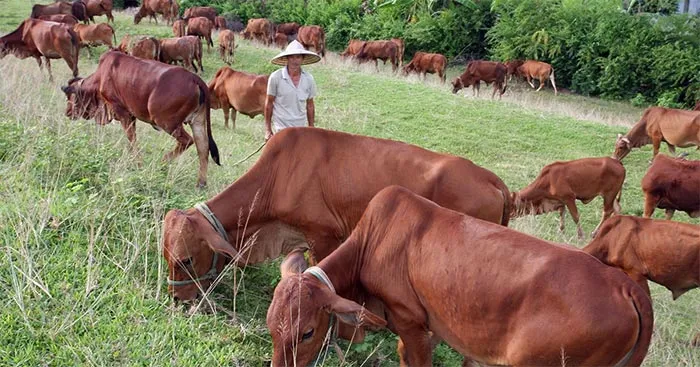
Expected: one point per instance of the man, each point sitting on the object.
(290, 91)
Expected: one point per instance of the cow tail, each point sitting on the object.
(551, 79)
(203, 100)
(642, 304)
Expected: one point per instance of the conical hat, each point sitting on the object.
(295, 48)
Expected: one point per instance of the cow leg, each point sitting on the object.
(571, 205)
(415, 347)
(608, 210)
(226, 109)
(541, 84)
(669, 214)
(671, 148)
(233, 118)
(641, 280)
(48, 67)
(495, 88)
(650, 202)
(562, 214)
(656, 142)
(529, 81)
(184, 140)
(376, 64)
(110, 17)
(201, 142)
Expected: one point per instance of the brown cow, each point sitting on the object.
(560, 184)
(401, 48)
(491, 293)
(51, 9)
(486, 71)
(379, 50)
(672, 184)
(512, 67)
(354, 47)
(242, 92)
(201, 27)
(143, 47)
(99, 7)
(289, 29)
(36, 38)
(532, 69)
(665, 252)
(201, 11)
(673, 126)
(313, 36)
(179, 28)
(186, 49)
(151, 8)
(220, 23)
(259, 29)
(95, 34)
(423, 63)
(167, 97)
(291, 198)
(281, 40)
(60, 18)
(227, 45)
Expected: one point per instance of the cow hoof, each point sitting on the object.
(201, 185)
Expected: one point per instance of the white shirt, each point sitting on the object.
(289, 108)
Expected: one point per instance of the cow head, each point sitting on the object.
(457, 85)
(138, 17)
(299, 316)
(408, 68)
(82, 101)
(622, 147)
(529, 204)
(189, 245)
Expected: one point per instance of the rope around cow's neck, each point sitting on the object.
(250, 155)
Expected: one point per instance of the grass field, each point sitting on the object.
(82, 279)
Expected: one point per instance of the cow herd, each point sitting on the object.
(416, 241)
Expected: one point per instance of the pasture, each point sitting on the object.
(82, 278)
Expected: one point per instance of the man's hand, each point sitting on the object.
(268, 135)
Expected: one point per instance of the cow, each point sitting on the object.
(512, 67)
(220, 23)
(307, 190)
(493, 294)
(313, 36)
(201, 11)
(99, 7)
(201, 27)
(37, 38)
(401, 47)
(151, 8)
(95, 34)
(227, 45)
(532, 69)
(354, 46)
(289, 29)
(659, 124)
(242, 92)
(486, 71)
(259, 29)
(672, 184)
(561, 183)
(179, 27)
(423, 63)
(60, 18)
(166, 97)
(186, 49)
(281, 40)
(51, 9)
(379, 50)
(143, 47)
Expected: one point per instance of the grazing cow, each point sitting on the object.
(512, 67)
(99, 7)
(95, 34)
(36, 38)
(491, 293)
(242, 92)
(539, 70)
(143, 47)
(186, 49)
(281, 40)
(51, 9)
(672, 184)
(179, 27)
(227, 44)
(401, 48)
(560, 184)
(259, 29)
(673, 126)
(379, 50)
(167, 97)
(354, 47)
(60, 18)
(289, 29)
(313, 36)
(486, 71)
(151, 8)
(220, 23)
(201, 27)
(201, 11)
(423, 63)
(307, 190)
(665, 252)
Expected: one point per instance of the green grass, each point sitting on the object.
(81, 274)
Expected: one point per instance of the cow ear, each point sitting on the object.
(351, 313)
(294, 263)
(216, 242)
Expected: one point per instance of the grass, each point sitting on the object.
(81, 274)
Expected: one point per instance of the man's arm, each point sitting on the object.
(310, 111)
(269, 101)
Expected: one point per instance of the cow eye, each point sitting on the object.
(307, 334)
(186, 263)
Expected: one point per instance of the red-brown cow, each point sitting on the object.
(220, 23)
(259, 29)
(486, 71)
(143, 47)
(179, 27)
(560, 184)
(675, 127)
(401, 48)
(672, 184)
(379, 50)
(313, 36)
(288, 29)
(99, 7)
(166, 97)
(151, 8)
(307, 191)
(227, 45)
(201, 11)
(281, 40)
(242, 92)
(532, 69)
(423, 63)
(201, 27)
(51, 9)
(491, 293)
(36, 38)
(60, 18)
(354, 47)
(95, 34)
(512, 67)
(186, 49)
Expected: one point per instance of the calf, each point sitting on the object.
(281, 40)
(179, 28)
(186, 49)
(259, 29)
(423, 63)
(95, 34)
(143, 47)
(242, 92)
(539, 70)
(201, 27)
(227, 45)
(491, 293)
(354, 47)
(313, 36)
(560, 184)
(99, 7)
(164, 96)
(151, 8)
(379, 50)
(220, 23)
(486, 71)
(60, 18)
(672, 184)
